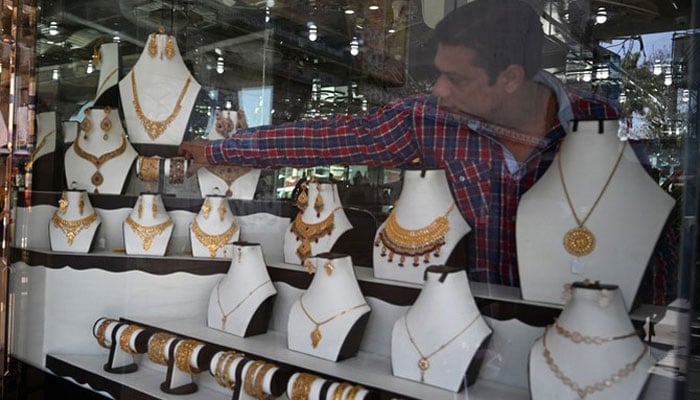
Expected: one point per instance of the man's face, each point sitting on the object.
(463, 86)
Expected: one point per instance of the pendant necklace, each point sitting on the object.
(73, 227)
(580, 241)
(225, 315)
(316, 335)
(147, 233)
(211, 241)
(424, 360)
(97, 178)
(306, 232)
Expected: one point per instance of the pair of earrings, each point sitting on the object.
(154, 209)
(223, 125)
(169, 44)
(311, 269)
(105, 124)
(63, 204)
(603, 295)
(206, 209)
(303, 199)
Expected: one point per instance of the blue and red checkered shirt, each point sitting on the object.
(486, 190)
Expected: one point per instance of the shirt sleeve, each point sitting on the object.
(385, 136)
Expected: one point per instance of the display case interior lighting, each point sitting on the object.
(313, 31)
(349, 11)
(373, 7)
(53, 28)
(601, 16)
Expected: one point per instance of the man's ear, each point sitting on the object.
(512, 77)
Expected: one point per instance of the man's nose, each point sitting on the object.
(440, 87)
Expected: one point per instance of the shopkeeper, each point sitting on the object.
(494, 123)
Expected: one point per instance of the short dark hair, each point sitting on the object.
(502, 32)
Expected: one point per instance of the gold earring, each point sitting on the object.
(329, 268)
(63, 204)
(96, 55)
(86, 124)
(309, 266)
(153, 45)
(222, 210)
(604, 299)
(81, 205)
(139, 209)
(318, 203)
(106, 123)
(169, 47)
(206, 208)
(154, 208)
(303, 198)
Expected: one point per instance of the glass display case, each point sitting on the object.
(399, 199)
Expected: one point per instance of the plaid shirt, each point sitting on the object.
(485, 189)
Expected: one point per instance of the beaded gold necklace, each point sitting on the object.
(308, 232)
(73, 227)
(156, 128)
(417, 243)
(147, 233)
(213, 242)
(97, 178)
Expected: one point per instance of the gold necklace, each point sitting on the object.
(424, 360)
(225, 315)
(156, 128)
(213, 242)
(147, 233)
(578, 337)
(580, 241)
(97, 178)
(599, 386)
(72, 228)
(41, 144)
(316, 333)
(228, 174)
(106, 80)
(308, 232)
(413, 243)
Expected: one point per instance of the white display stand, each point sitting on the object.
(309, 216)
(45, 135)
(157, 242)
(113, 170)
(70, 131)
(178, 381)
(334, 301)
(159, 82)
(84, 235)
(109, 68)
(586, 363)
(625, 235)
(236, 304)
(218, 222)
(424, 198)
(225, 179)
(445, 324)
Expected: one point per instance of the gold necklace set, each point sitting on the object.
(71, 228)
(316, 335)
(156, 128)
(307, 232)
(97, 178)
(580, 241)
(147, 233)
(225, 315)
(213, 242)
(576, 337)
(415, 243)
(228, 174)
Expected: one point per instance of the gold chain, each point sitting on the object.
(413, 243)
(225, 315)
(106, 80)
(72, 228)
(578, 337)
(147, 233)
(97, 179)
(599, 386)
(156, 128)
(41, 144)
(316, 333)
(308, 232)
(580, 241)
(213, 242)
(423, 361)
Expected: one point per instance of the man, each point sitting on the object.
(493, 124)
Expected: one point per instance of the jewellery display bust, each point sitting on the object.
(45, 136)
(158, 95)
(624, 236)
(214, 229)
(424, 227)
(74, 224)
(100, 160)
(148, 227)
(438, 337)
(109, 72)
(235, 182)
(329, 319)
(241, 303)
(316, 228)
(593, 347)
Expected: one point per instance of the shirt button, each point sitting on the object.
(462, 178)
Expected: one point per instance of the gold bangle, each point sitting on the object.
(101, 332)
(150, 168)
(339, 390)
(183, 356)
(176, 174)
(227, 369)
(156, 347)
(250, 376)
(353, 392)
(302, 386)
(260, 380)
(125, 338)
(223, 365)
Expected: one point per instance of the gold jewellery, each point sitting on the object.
(599, 386)
(147, 233)
(413, 243)
(308, 232)
(424, 360)
(316, 335)
(42, 143)
(72, 228)
(125, 338)
(97, 178)
(580, 241)
(106, 80)
(302, 386)
(249, 380)
(156, 128)
(223, 367)
(225, 315)
(578, 337)
(101, 334)
(339, 390)
(183, 356)
(153, 44)
(228, 174)
(156, 347)
(213, 242)
(259, 386)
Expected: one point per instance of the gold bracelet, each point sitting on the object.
(156, 347)
(176, 174)
(250, 376)
(223, 365)
(260, 380)
(302, 386)
(339, 390)
(227, 368)
(125, 338)
(101, 332)
(353, 392)
(183, 356)
(150, 169)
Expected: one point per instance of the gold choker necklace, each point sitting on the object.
(308, 232)
(97, 179)
(316, 333)
(147, 233)
(580, 241)
(72, 228)
(413, 243)
(213, 242)
(156, 128)
(228, 174)
(225, 315)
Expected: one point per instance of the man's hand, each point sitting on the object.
(195, 152)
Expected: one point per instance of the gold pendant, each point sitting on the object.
(423, 365)
(97, 178)
(579, 241)
(316, 337)
(223, 322)
(70, 236)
